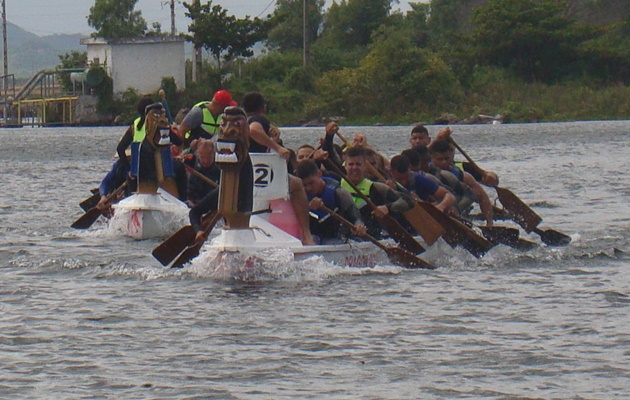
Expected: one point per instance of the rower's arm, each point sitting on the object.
(122, 146)
(208, 203)
(445, 198)
(481, 197)
(395, 201)
(257, 133)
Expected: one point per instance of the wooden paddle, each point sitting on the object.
(165, 104)
(91, 201)
(418, 218)
(521, 212)
(396, 255)
(457, 232)
(91, 215)
(395, 230)
(172, 247)
(506, 236)
(426, 226)
(192, 250)
(552, 237)
(169, 249)
(201, 176)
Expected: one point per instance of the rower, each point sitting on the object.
(387, 201)
(421, 185)
(204, 119)
(442, 156)
(487, 178)
(328, 192)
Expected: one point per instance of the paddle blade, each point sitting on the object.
(90, 202)
(521, 212)
(192, 251)
(188, 254)
(400, 235)
(458, 233)
(506, 236)
(168, 250)
(500, 234)
(552, 237)
(424, 224)
(87, 219)
(470, 240)
(406, 259)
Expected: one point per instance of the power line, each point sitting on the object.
(268, 5)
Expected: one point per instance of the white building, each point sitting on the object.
(139, 63)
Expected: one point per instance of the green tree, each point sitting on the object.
(530, 37)
(71, 60)
(607, 57)
(351, 22)
(116, 19)
(287, 33)
(223, 35)
(416, 23)
(394, 79)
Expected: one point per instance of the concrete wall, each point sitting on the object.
(140, 65)
(102, 53)
(143, 65)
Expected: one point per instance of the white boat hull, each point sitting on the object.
(143, 216)
(240, 253)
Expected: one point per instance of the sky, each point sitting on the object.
(48, 17)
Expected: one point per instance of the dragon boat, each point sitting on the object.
(259, 182)
(154, 210)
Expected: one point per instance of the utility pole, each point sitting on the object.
(198, 57)
(304, 34)
(173, 18)
(6, 61)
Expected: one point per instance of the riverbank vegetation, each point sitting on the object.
(522, 60)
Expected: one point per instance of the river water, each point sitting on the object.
(90, 314)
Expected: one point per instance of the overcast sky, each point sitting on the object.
(47, 17)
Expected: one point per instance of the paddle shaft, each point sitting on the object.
(91, 215)
(470, 160)
(351, 225)
(165, 104)
(201, 176)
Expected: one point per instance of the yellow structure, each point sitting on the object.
(41, 105)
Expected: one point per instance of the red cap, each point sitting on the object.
(224, 97)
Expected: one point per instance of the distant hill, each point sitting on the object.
(29, 53)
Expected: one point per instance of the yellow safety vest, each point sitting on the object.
(209, 124)
(364, 187)
(138, 134)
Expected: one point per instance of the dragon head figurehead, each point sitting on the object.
(232, 157)
(156, 126)
(232, 146)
